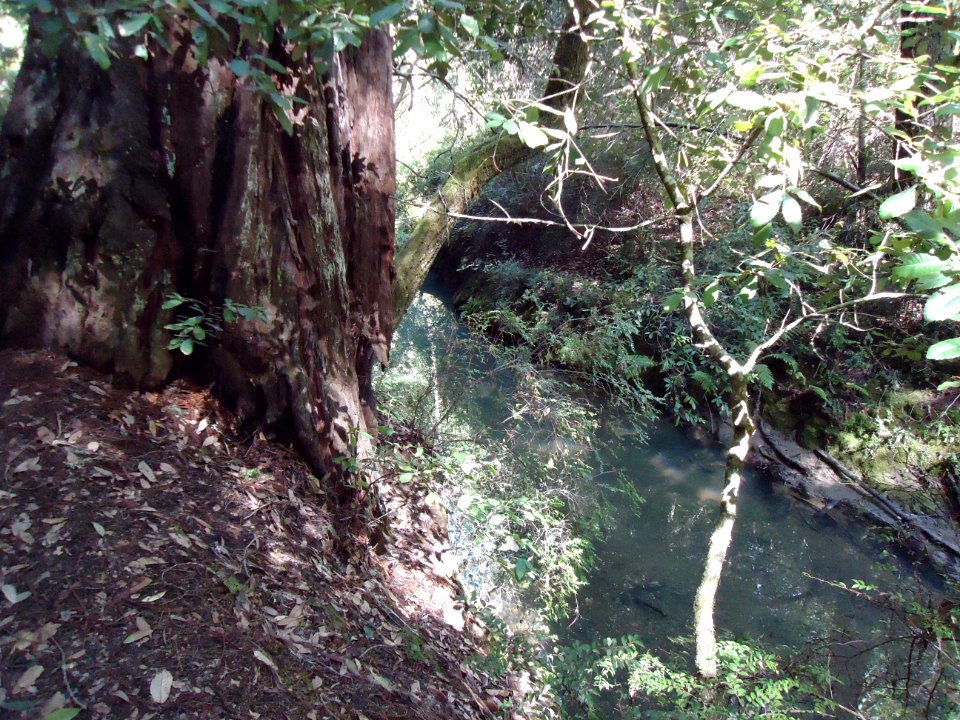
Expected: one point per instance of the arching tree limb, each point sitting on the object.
(475, 167)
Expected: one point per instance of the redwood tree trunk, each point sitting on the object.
(160, 176)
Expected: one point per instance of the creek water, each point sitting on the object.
(777, 588)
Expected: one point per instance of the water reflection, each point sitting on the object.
(776, 588)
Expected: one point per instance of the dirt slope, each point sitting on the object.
(153, 566)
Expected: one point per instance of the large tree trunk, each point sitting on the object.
(161, 176)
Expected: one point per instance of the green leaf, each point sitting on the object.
(948, 385)
(241, 68)
(761, 373)
(531, 135)
(427, 24)
(172, 302)
(917, 265)
(202, 13)
(495, 120)
(273, 65)
(386, 14)
(765, 209)
(672, 302)
(774, 125)
(379, 679)
(910, 164)
(470, 24)
(19, 704)
(944, 304)
(233, 584)
(803, 195)
(711, 293)
(944, 350)
(199, 333)
(792, 214)
(774, 276)
(97, 47)
(407, 39)
(748, 100)
(899, 204)
(522, 567)
(282, 118)
(186, 346)
(133, 24)
(62, 714)
(922, 224)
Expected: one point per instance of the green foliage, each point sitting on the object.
(520, 489)
(576, 323)
(198, 322)
(240, 33)
(761, 92)
(750, 683)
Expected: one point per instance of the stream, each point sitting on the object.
(777, 585)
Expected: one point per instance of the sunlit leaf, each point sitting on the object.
(133, 24)
(531, 135)
(748, 100)
(470, 24)
(160, 686)
(899, 204)
(765, 209)
(792, 214)
(918, 265)
(944, 304)
(944, 350)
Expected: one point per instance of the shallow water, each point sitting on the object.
(776, 585)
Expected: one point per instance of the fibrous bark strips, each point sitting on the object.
(121, 187)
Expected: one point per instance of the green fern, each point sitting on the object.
(761, 373)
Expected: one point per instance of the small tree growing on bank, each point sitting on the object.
(753, 88)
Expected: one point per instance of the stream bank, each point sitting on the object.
(155, 564)
(881, 447)
(791, 568)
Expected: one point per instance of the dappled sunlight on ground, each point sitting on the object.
(152, 565)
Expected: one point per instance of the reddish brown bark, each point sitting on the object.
(121, 187)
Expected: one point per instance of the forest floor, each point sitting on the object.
(155, 566)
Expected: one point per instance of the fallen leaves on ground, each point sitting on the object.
(151, 566)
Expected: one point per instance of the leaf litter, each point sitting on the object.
(153, 566)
